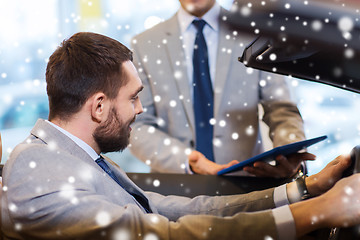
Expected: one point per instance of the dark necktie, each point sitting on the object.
(140, 198)
(203, 94)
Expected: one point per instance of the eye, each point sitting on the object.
(134, 98)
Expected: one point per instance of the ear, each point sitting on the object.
(99, 107)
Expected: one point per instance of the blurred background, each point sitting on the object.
(31, 31)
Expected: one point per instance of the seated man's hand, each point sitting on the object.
(285, 166)
(201, 165)
(321, 182)
(338, 207)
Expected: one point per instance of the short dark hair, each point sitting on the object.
(82, 65)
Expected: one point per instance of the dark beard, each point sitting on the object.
(112, 135)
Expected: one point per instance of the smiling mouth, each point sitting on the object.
(132, 121)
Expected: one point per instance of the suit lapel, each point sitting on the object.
(178, 62)
(225, 57)
(127, 184)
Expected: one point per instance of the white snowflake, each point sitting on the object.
(249, 70)
(85, 174)
(121, 234)
(161, 122)
(175, 150)
(212, 121)
(178, 75)
(349, 53)
(316, 25)
(71, 179)
(249, 130)
(222, 123)
(103, 218)
(41, 133)
(52, 145)
(18, 226)
(151, 129)
(217, 142)
(188, 151)
(156, 183)
(345, 24)
(32, 164)
(157, 98)
(12, 207)
(151, 236)
(172, 103)
(67, 191)
(167, 141)
(245, 11)
(272, 57)
(349, 191)
(235, 136)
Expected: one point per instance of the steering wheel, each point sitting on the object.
(350, 232)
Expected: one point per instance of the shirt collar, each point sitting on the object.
(89, 150)
(211, 17)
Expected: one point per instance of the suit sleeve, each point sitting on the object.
(280, 113)
(149, 141)
(43, 203)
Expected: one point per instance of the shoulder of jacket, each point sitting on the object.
(157, 30)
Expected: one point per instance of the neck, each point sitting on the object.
(78, 127)
(198, 12)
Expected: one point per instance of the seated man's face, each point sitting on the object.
(113, 134)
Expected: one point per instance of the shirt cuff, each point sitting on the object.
(280, 196)
(285, 224)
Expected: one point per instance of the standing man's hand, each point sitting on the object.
(201, 165)
(285, 167)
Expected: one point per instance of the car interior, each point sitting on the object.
(317, 41)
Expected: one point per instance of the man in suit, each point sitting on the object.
(165, 135)
(56, 185)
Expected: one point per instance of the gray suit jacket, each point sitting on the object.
(165, 132)
(54, 190)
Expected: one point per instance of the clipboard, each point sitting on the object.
(271, 154)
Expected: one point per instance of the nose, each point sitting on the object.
(138, 107)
